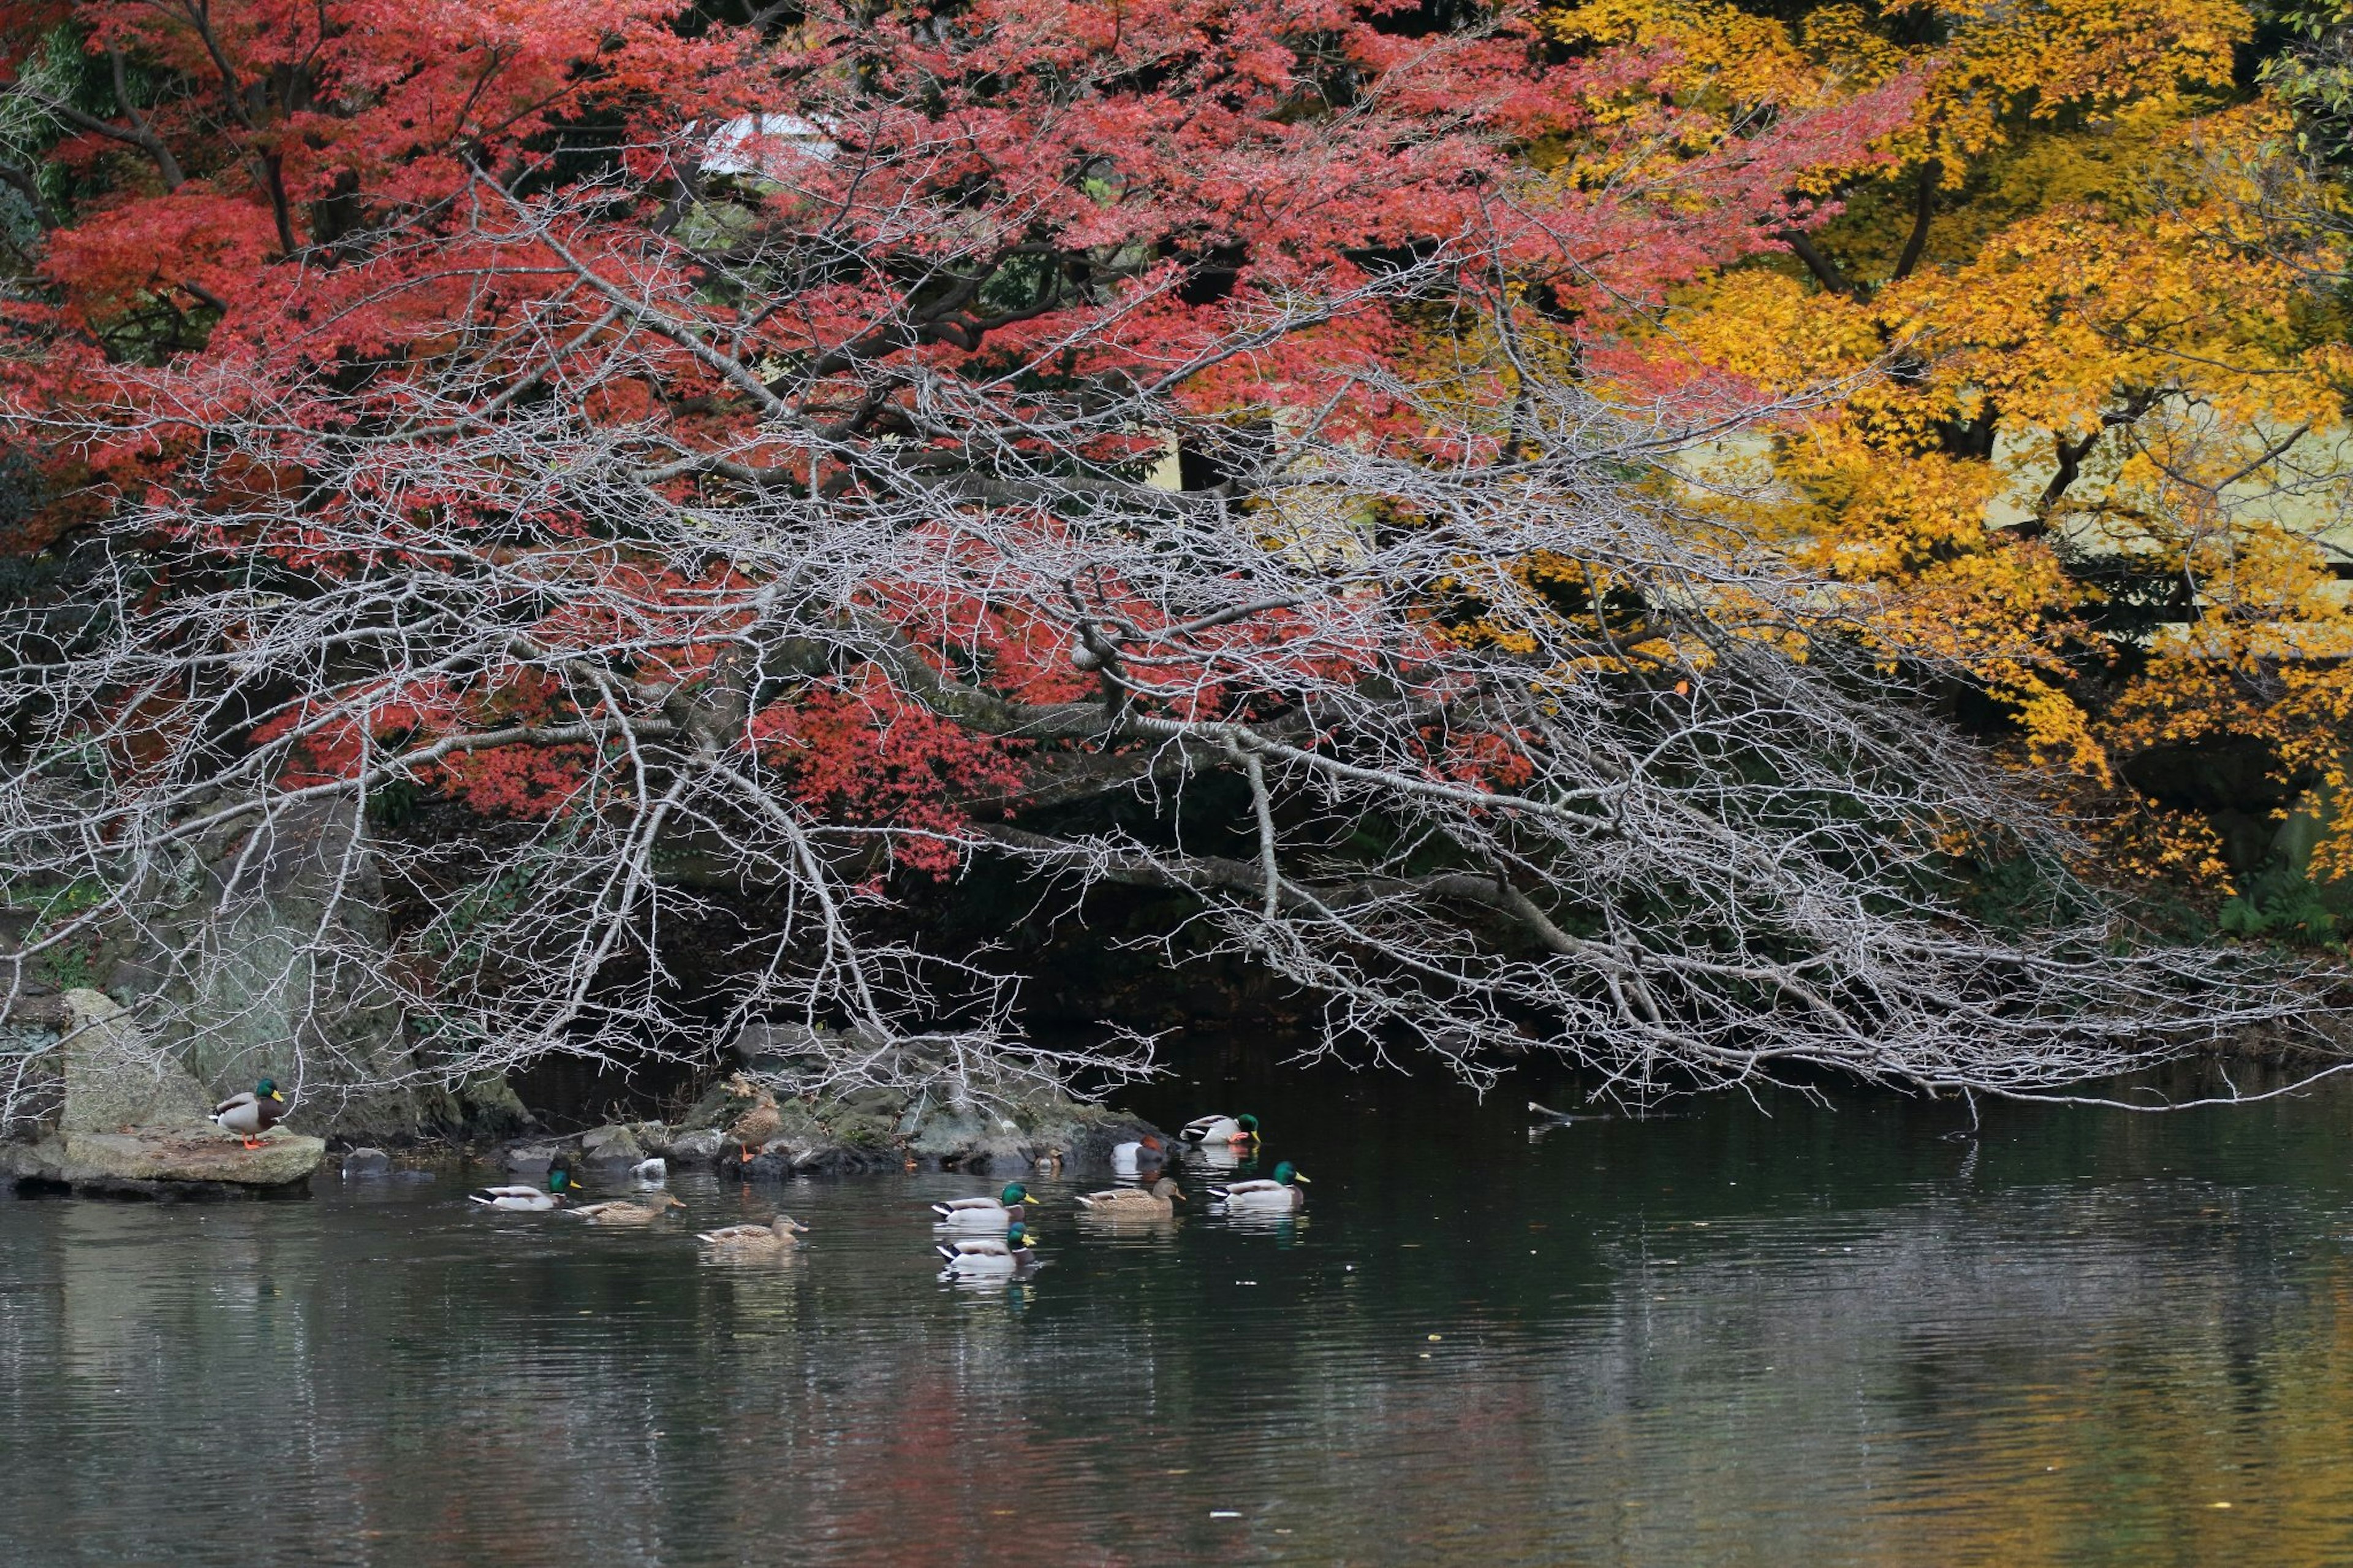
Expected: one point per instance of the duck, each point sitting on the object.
(985, 1214)
(757, 1125)
(778, 1237)
(622, 1211)
(526, 1199)
(982, 1254)
(251, 1115)
(1157, 1201)
(1221, 1130)
(1146, 1153)
(1271, 1195)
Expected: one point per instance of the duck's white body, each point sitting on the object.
(1214, 1130)
(1134, 1158)
(985, 1254)
(987, 1215)
(242, 1114)
(520, 1200)
(1261, 1197)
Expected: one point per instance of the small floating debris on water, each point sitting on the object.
(1236, 1513)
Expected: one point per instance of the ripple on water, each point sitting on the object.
(1807, 1339)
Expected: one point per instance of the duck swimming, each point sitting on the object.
(622, 1211)
(1232, 1130)
(528, 1199)
(983, 1255)
(778, 1237)
(251, 1115)
(1269, 1196)
(1157, 1201)
(985, 1214)
(1146, 1153)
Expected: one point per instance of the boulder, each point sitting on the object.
(613, 1145)
(367, 1163)
(700, 1147)
(263, 956)
(532, 1159)
(115, 1080)
(160, 1163)
(134, 1120)
(971, 1141)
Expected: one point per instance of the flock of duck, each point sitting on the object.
(984, 1234)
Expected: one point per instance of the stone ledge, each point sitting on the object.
(165, 1162)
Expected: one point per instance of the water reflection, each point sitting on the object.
(1817, 1336)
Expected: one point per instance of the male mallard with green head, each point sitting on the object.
(521, 1199)
(1157, 1201)
(984, 1213)
(1006, 1254)
(1220, 1132)
(1270, 1196)
(251, 1115)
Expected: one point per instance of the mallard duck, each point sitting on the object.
(528, 1199)
(1007, 1253)
(779, 1236)
(984, 1213)
(1157, 1201)
(623, 1211)
(251, 1115)
(1271, 1195)
(757, 1125)
(1146, 1153)
(1221, 1130)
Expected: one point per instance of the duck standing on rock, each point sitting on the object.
(757, 1125)
(984, 1254)
(774, 1239)
(1275, 1195)
(1157, 1201)
(622, 1211)
(995, 1214)
(1221, 1131)
(251, 1115)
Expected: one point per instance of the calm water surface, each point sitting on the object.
(1756, 1335)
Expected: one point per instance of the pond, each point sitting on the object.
(1758, 1333)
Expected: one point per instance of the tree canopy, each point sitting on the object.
(1483, 509)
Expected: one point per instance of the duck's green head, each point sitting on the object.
(268, 1090)
(1014, 1193)
(1016, 1236)
(1287, 1174)
(1249, 1124)
(559, 1180)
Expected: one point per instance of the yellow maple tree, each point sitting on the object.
(2082, 427)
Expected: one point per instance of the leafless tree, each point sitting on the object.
(1433, 695)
